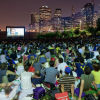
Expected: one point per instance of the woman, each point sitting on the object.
(3, 57)
(56, 61)
(30, 60)
(96, 73)
(20, 67)
(42, 58)
(25, 56)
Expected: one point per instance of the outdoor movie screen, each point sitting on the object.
(15, 31)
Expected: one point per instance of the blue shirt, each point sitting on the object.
(51, 73)
(80, 69)
(37, 80)
(31, 55)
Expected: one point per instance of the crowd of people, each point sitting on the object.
(69, 61)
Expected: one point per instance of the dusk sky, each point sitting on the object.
(17, 12)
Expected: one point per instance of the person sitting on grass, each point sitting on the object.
(67, 82)
(80, 67)
(37, 78)
(4, 72)
(96, 73)
(86, 80)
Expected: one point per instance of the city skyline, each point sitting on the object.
(17, 13)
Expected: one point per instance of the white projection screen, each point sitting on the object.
(15, 31)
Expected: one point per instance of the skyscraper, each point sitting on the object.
(34, 18)
(34, 25)
(45, 18)
(45, 13)
(77, 20)
(95, 18)
(57, 13)
(57, 19)
(66, 22)
(73, 10)
(88, 11)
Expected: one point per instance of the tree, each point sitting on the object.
(83, 32)
(86, 27)
(92, 30)
(77, 31)
(65, 33)
(65, 29)
(98, 33)
(57, 34)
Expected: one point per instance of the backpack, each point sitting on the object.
(38, 93)
(89, 97)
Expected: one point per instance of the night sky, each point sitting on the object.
(17, 12)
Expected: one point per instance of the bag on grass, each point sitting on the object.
(53, 92)
(61, 96)
(38, 93)
(77, 91)
(89, 97)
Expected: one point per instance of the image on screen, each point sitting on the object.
(15, 32)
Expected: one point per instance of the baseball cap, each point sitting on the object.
(67, 70)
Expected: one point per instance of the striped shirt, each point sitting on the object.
(67, 81)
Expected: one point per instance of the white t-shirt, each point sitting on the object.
(26, 80)
(62, 67)
(96, 53)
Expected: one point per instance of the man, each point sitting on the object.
(80, 67)
(32, 54)
(86, 80)
(51, 73)
(37, 78)
(62, 66)
(4, 72)
(67, 82)
(37, 65)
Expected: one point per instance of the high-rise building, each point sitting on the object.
(57, 13)
(34, 25)
(57, 19)
(77, 19)
(88, 11)
(95, 18)
(45, 18)
(73, 9)
(34, 18)
(45, 13)
(66, 22)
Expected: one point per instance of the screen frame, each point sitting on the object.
(15, 27)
